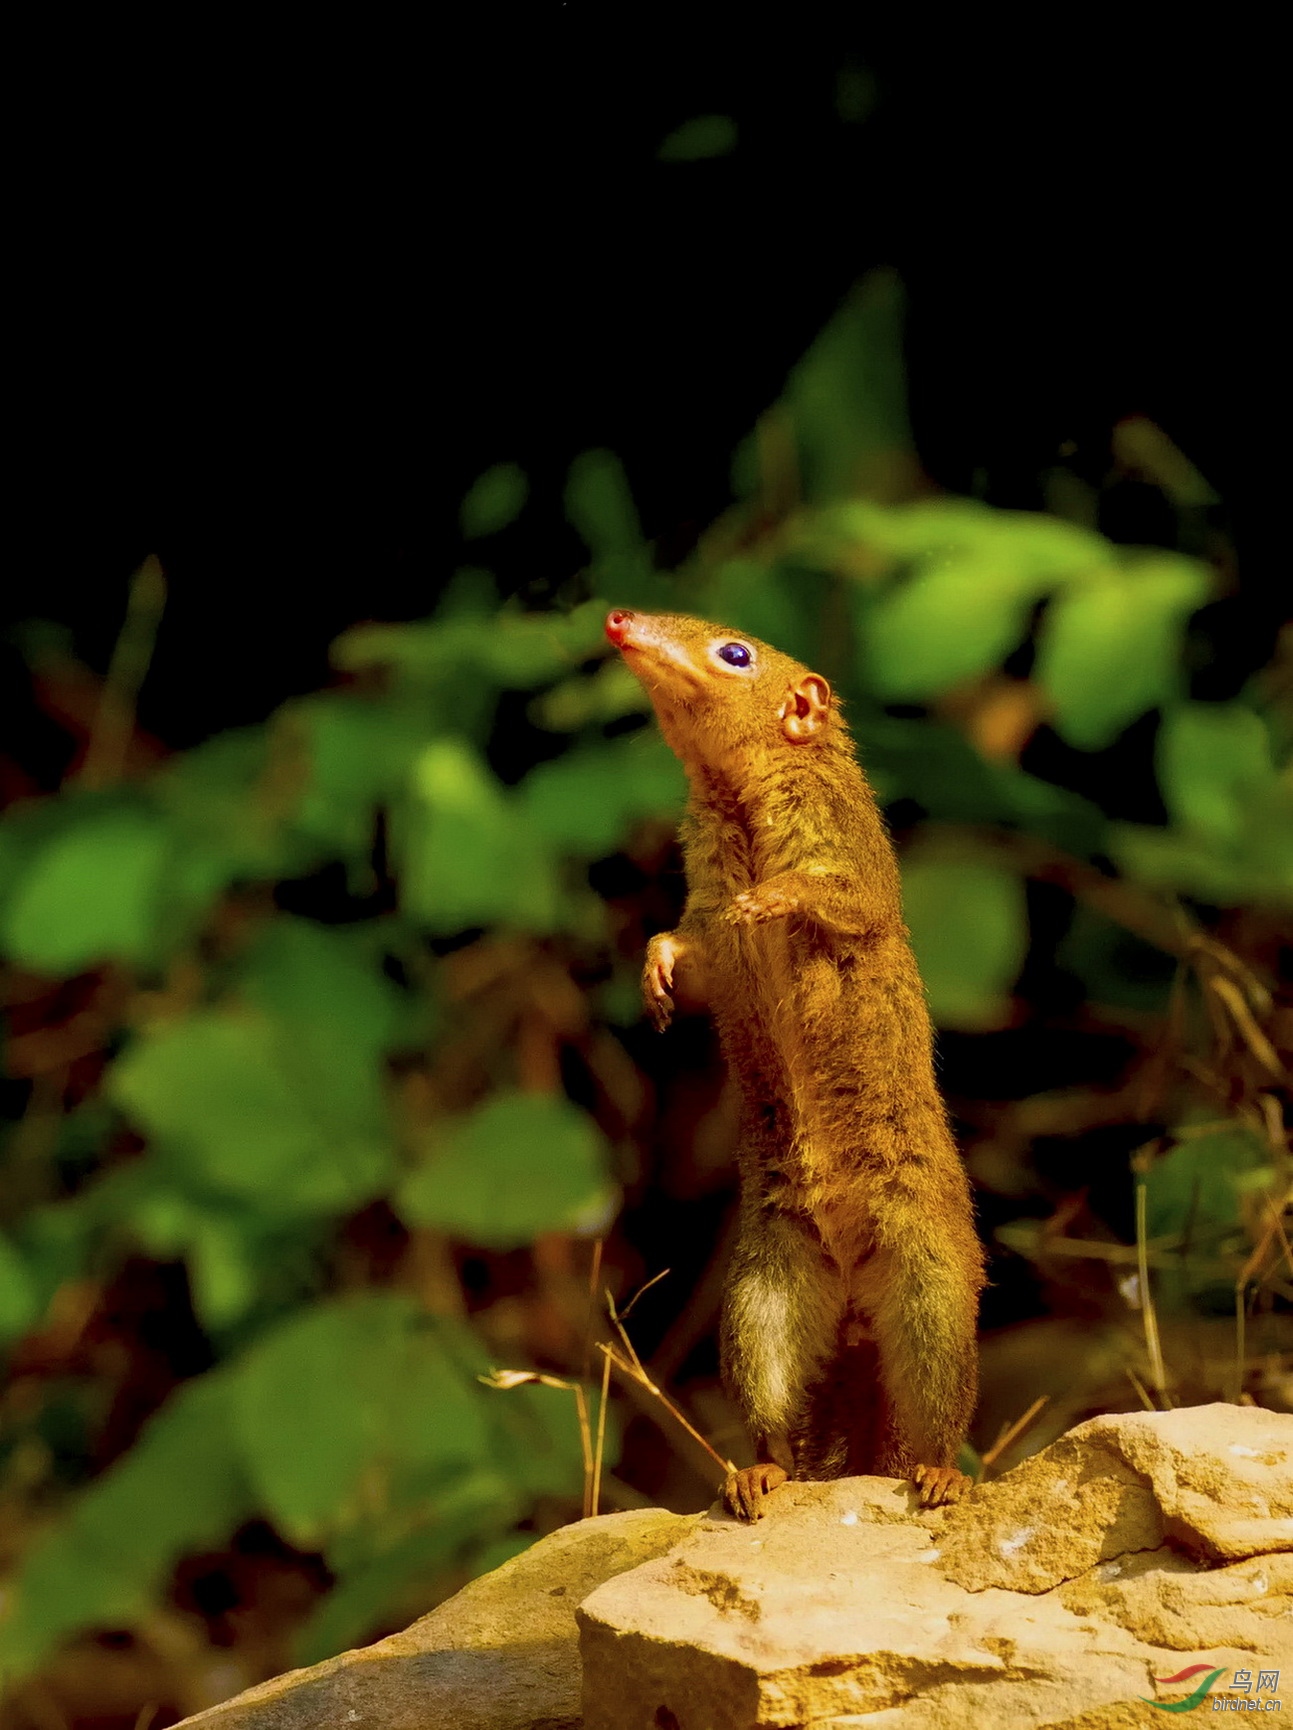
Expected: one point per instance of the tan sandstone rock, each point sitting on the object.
(1215, 1480)
(1054, 1597)
(501, 1654)
(1134, 1547)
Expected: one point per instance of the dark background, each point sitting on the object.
(284, 296)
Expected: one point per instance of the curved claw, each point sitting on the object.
(657, 981)
(939, 1486)
(759, 907)
(657, 977)
(745, 1491)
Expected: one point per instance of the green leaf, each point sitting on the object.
(847, 396)
(19, 1304)
(1110, 647)
(608, 694)
(975, 575)
(347, 1390)
(1213, 760)
(319, 982)
(783, 604)
(245, 1104)
(1194, 1192)
(1260, 870)
(360, 756)
(453, 657)
(969, 929)
(1115, 966)
(586, 801)
(1200, 1181)
(179, 1488)
(468, 854)
(91, 894)
(937, 766)
(223, 1276)
(213, 797)
(705, 136)
(495, 500)
(1028, 544)
(599, 504)
(519, 1165)
(949, 623)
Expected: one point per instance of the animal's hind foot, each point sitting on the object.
(938, 1486)
(745, 1491)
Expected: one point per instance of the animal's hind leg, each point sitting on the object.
(781, 1320)
(924, 1322)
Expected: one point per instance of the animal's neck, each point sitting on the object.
(781, 795)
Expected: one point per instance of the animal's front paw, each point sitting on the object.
(937, 1486)
(761, 906)
(657, 980)
(745, 1491)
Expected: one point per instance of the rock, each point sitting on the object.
(1167, 1600)
(1053, 1597)
(1134, 1548)
(1216, 1480)
(502, 1654)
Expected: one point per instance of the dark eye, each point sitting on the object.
(735, 654)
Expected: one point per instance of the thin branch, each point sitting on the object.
(1253, 1037)
(600, 1449)
(1149, 1315)
(641, 1292)
(1141, 1389)
(1012, 1432)
(114, 724)
(635, 1373)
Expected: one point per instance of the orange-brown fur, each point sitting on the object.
(848, 1333)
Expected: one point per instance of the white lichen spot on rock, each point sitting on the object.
(1015, 1542)
(849, 1519)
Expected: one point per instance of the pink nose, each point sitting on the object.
(617, 626)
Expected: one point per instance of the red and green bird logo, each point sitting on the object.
(1190, 1701)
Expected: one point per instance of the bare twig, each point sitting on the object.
(641, 1292)
(635, 1373)
(1278, 1225)
(590, 1325)
(105, 755)
(600, 1449)
(1141, 1390)
(505, 1379)
(1149, 1314)
(1253, 1037)
(1012, 1432)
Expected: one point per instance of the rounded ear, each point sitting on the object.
(804, 711)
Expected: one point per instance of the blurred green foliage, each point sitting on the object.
(259, 1074)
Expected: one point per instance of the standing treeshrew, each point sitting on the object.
(848, 1333)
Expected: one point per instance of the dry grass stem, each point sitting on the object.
(1011, 1433)
(1142, 1391)
(505, 1379)
(640, 1292)
(600, 1449)
(1242, 1016)
(634, 1372)
(1148, 1312)
(114, 722)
